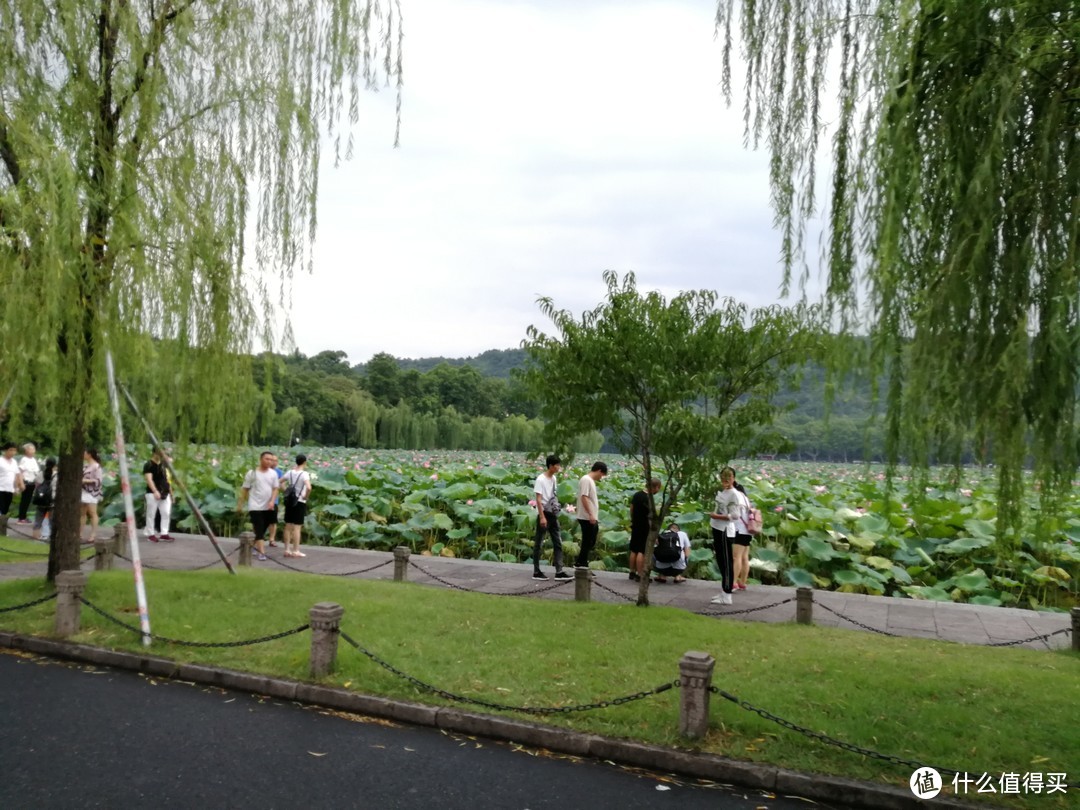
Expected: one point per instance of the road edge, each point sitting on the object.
(849, 792)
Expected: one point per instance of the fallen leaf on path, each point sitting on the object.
(317, 753)
(662, 787)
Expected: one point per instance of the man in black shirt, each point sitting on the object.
(158, 496)
(640, 510)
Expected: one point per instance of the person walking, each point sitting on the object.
(588, 512)
(640, 509)
(725, 519)
(260, 492)
(296, 484)
(158, 496)
(31, 474)
(44, 497)
(271, 531)
(547, 518)
(11, 482)
(92, 478)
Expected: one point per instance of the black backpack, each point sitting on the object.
(292, 497)
(668, 549)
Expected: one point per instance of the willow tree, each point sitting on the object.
(682, 385)
(953, 219)
(151, 150)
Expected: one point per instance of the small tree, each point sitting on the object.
(682, 385)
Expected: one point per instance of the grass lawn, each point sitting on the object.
(964, 707)
(23, 551)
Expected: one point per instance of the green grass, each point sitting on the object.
(964, 707)
(32, 551)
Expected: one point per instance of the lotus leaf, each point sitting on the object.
(973, 582)
(982, 529)
(984, 599)
(495, 473)
(880, 563)
(927, 592)
(458, 534)
(963, 545)
(340, 509)
(799, 577)
(460, 491)
(1053, 572)
(846, 577)
(861, 542)
(488, 556)
(817, 549)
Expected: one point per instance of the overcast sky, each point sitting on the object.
(542, 143)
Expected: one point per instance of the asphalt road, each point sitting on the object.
(79, 736)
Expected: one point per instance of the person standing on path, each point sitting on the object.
(44, 497)
(547, 518)
(92, 478)
(10, 481)
(296, 484)
(640, 509)
(260, 492)
(271, 531)
(31, 474)
(725, 521)
(158, 496)
(588, 512)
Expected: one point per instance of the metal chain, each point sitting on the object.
(603, 587)
(824, 738)
(532, 591)
(743, 611)
(29, 604)
(180, 642)
(856, 622)
(324, 574)
(1043, 637)
(163, 568)
(602, 704)
(25, 553)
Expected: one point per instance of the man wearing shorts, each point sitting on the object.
(260, 489)
(640, 509)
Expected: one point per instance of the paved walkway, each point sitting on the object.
(967, 624)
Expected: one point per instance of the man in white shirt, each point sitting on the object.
(10, 481)
(31, 475)
(547, 518)
(588, 511)
(260, 490)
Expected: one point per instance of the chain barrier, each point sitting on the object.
(1043, 637)
(824, 738)
(601, 704)
(26, 553)
(245, 643)
(324, 574)
(164, 568)
(604, 587)
(29, 604)
(744, 610)
(856, 622)
(526, 592)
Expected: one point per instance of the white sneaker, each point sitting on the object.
(718, 599)
(727, 598)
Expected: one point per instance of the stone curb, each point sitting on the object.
(715, 768)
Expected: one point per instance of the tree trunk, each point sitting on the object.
(65, 544)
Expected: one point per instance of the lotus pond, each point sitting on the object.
(827, 526)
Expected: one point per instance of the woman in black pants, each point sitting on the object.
(725, 521)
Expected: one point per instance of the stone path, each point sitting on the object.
(967, 624)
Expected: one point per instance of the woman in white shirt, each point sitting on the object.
(726, 520)
(31, 473)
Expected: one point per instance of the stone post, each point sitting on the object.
(121, 545)
(401, 564)
(804, 605)
(69, 590)
(247, 540)
(1076, 628)
(103, 555)
(325, 620)
(695, 678)
(582, 585)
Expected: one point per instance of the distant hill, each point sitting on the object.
(492, 363)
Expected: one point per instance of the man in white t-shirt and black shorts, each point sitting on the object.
(260, 489)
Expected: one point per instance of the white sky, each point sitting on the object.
(543, 142)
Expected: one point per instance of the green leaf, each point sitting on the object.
(846, 577)
(817, 549)
(340, 509)
(799, 577)
(963, 545)
(927, 592)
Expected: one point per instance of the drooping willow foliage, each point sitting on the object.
(149, 150)
(953, 212)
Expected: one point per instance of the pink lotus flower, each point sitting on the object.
(779, 509)
(434, 476)
(468, 502)
(821, 490)
(532, 503)
(571, 509)
(966, 493)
